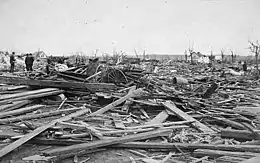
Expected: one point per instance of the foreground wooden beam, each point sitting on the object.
(188, 146)
(33, 96)
(252, 160)
(160, 118)
(107, 142)
(37, 131)
(239, 134)
(20, 111)
(57, 84)
(198, 125)
(27, 93)
(35, 116)
(219, 153)
(14, 105)
(115, 103)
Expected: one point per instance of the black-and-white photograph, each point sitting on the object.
(129, 81)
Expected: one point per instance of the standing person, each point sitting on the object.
(26, 62)
(30, 62)
(244, 66)
(12, 62)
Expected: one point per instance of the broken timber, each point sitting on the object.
(189, 146)
(37, 131)
(115, 103)
(57, 84)
(20, 111)
(160, 118)
(171, 107)
(127, 104)
(14, 105)
(107, 142)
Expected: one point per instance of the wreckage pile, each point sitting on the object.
(174, 113)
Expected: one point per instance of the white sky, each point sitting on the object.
(159, 26)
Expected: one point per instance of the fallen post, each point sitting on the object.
(107, 142)
(239, 134)
(198, 125)
(115, 103)
(20, 111)
(188, 146)
(57, 84)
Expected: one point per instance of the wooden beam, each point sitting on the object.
(35, 116)
(219, 153)
(22, 94)
(33, 96)
(14, 105)
(252, 160)
(158, 125)
(107, 142)
(127, 103)
(20, 111)
(239, 134)
(58, 84)
(37, 131)
(188, 146)
(115, 103)
(160, 118)
(198, 125)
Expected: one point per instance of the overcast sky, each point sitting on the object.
(157, 26)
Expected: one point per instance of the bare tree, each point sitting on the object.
(186, 55)
(191, 51)
(255, 48)
(222, 55)
(136, 54)
(233, 56)
(144, 55)
(211, 56)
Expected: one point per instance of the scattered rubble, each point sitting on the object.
(144, 111)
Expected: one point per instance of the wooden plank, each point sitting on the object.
(22, 94)
(189, 146)
(171, 107)
(252, 160)
(14, 105)
(33, 96)
(115, 103)
(20, 111)
(118, 123)
(127, 103)
(107, 142)
(159, 125)
(37, 131)
(239, 134)
(35, 116)
(219, 153)
(230, 123)
(57, 84)
(160, 118)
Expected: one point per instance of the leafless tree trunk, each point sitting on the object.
(222, 57)
(232, 56)
(191, 54)
(255, 48)
(186, 56)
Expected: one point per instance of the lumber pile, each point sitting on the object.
(173, 113)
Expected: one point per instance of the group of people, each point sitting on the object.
(29, 59)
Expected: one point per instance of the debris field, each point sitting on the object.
(173, 112)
